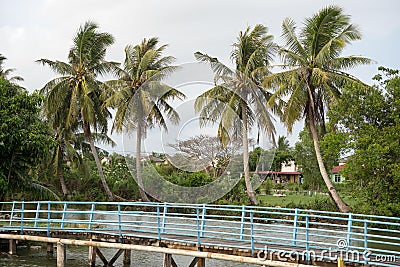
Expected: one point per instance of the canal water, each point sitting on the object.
(77, 257)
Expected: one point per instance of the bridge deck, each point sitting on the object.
(287, 235)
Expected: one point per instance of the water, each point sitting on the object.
(77, 257)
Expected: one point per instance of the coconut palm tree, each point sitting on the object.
(5, 73)
(65, 151)
(314, 74)
(238, 101)
(139, 97)
(74, 97)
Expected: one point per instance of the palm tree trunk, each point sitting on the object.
(245, 139)
(342, 206)
(62, 180)
(138, 163)
(88, 136)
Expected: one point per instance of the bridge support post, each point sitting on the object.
(169, 261)
(12, 246)
(127, 257)
(201, 262)
(61, 255)
(92, 256)
(50, 249)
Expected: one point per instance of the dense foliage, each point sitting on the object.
(25, 139)
(371, 121)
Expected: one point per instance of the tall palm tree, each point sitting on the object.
(5, 73)
(315, 73)
(77, 92)
(140, 99)
(238, 101)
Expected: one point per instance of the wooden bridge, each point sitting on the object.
(256, 235)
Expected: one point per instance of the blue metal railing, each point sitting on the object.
(313, 235)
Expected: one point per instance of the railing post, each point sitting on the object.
(37, 215)
(159, 221)
(64, 215)
(164, 220)
(91, 217)
(48, 219)
(12, 213)
(307, 241)
(203, 217)
(365, 240)
(22, 217)
(119, 223)
(252, 231)
(295, 220)
(349, 226)
(198, 226)
(242, 222)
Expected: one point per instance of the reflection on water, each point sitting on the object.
(77, 257)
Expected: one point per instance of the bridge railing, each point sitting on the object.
(277, 232)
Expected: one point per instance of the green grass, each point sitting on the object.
(317, 202)
(272, 201)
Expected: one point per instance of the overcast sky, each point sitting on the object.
(31, 30)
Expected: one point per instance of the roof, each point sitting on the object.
(337, 169)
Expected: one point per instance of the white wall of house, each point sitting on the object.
(289, 166)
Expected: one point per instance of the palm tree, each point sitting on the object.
(140, 99)
(75, 96)
(4, 73)
(65, 151)
(282, 144)
(314, 73)
(238, 102)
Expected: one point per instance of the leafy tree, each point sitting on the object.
(237, 100)
(24, 140)
(371, 123)
(141, 100)
(118, 173)
(306, 160)
(315, 74)
(5, 73)
(74, 98)
(283, 153)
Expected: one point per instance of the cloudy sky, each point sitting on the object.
(31, 30)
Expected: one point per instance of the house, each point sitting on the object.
(288, 174)
(335, 175)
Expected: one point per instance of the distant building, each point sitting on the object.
(288, 174)
(335, 175)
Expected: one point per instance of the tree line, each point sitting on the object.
(312, 79)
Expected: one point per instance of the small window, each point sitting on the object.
(338, 178)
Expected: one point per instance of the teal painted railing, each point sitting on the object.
(290, 233)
